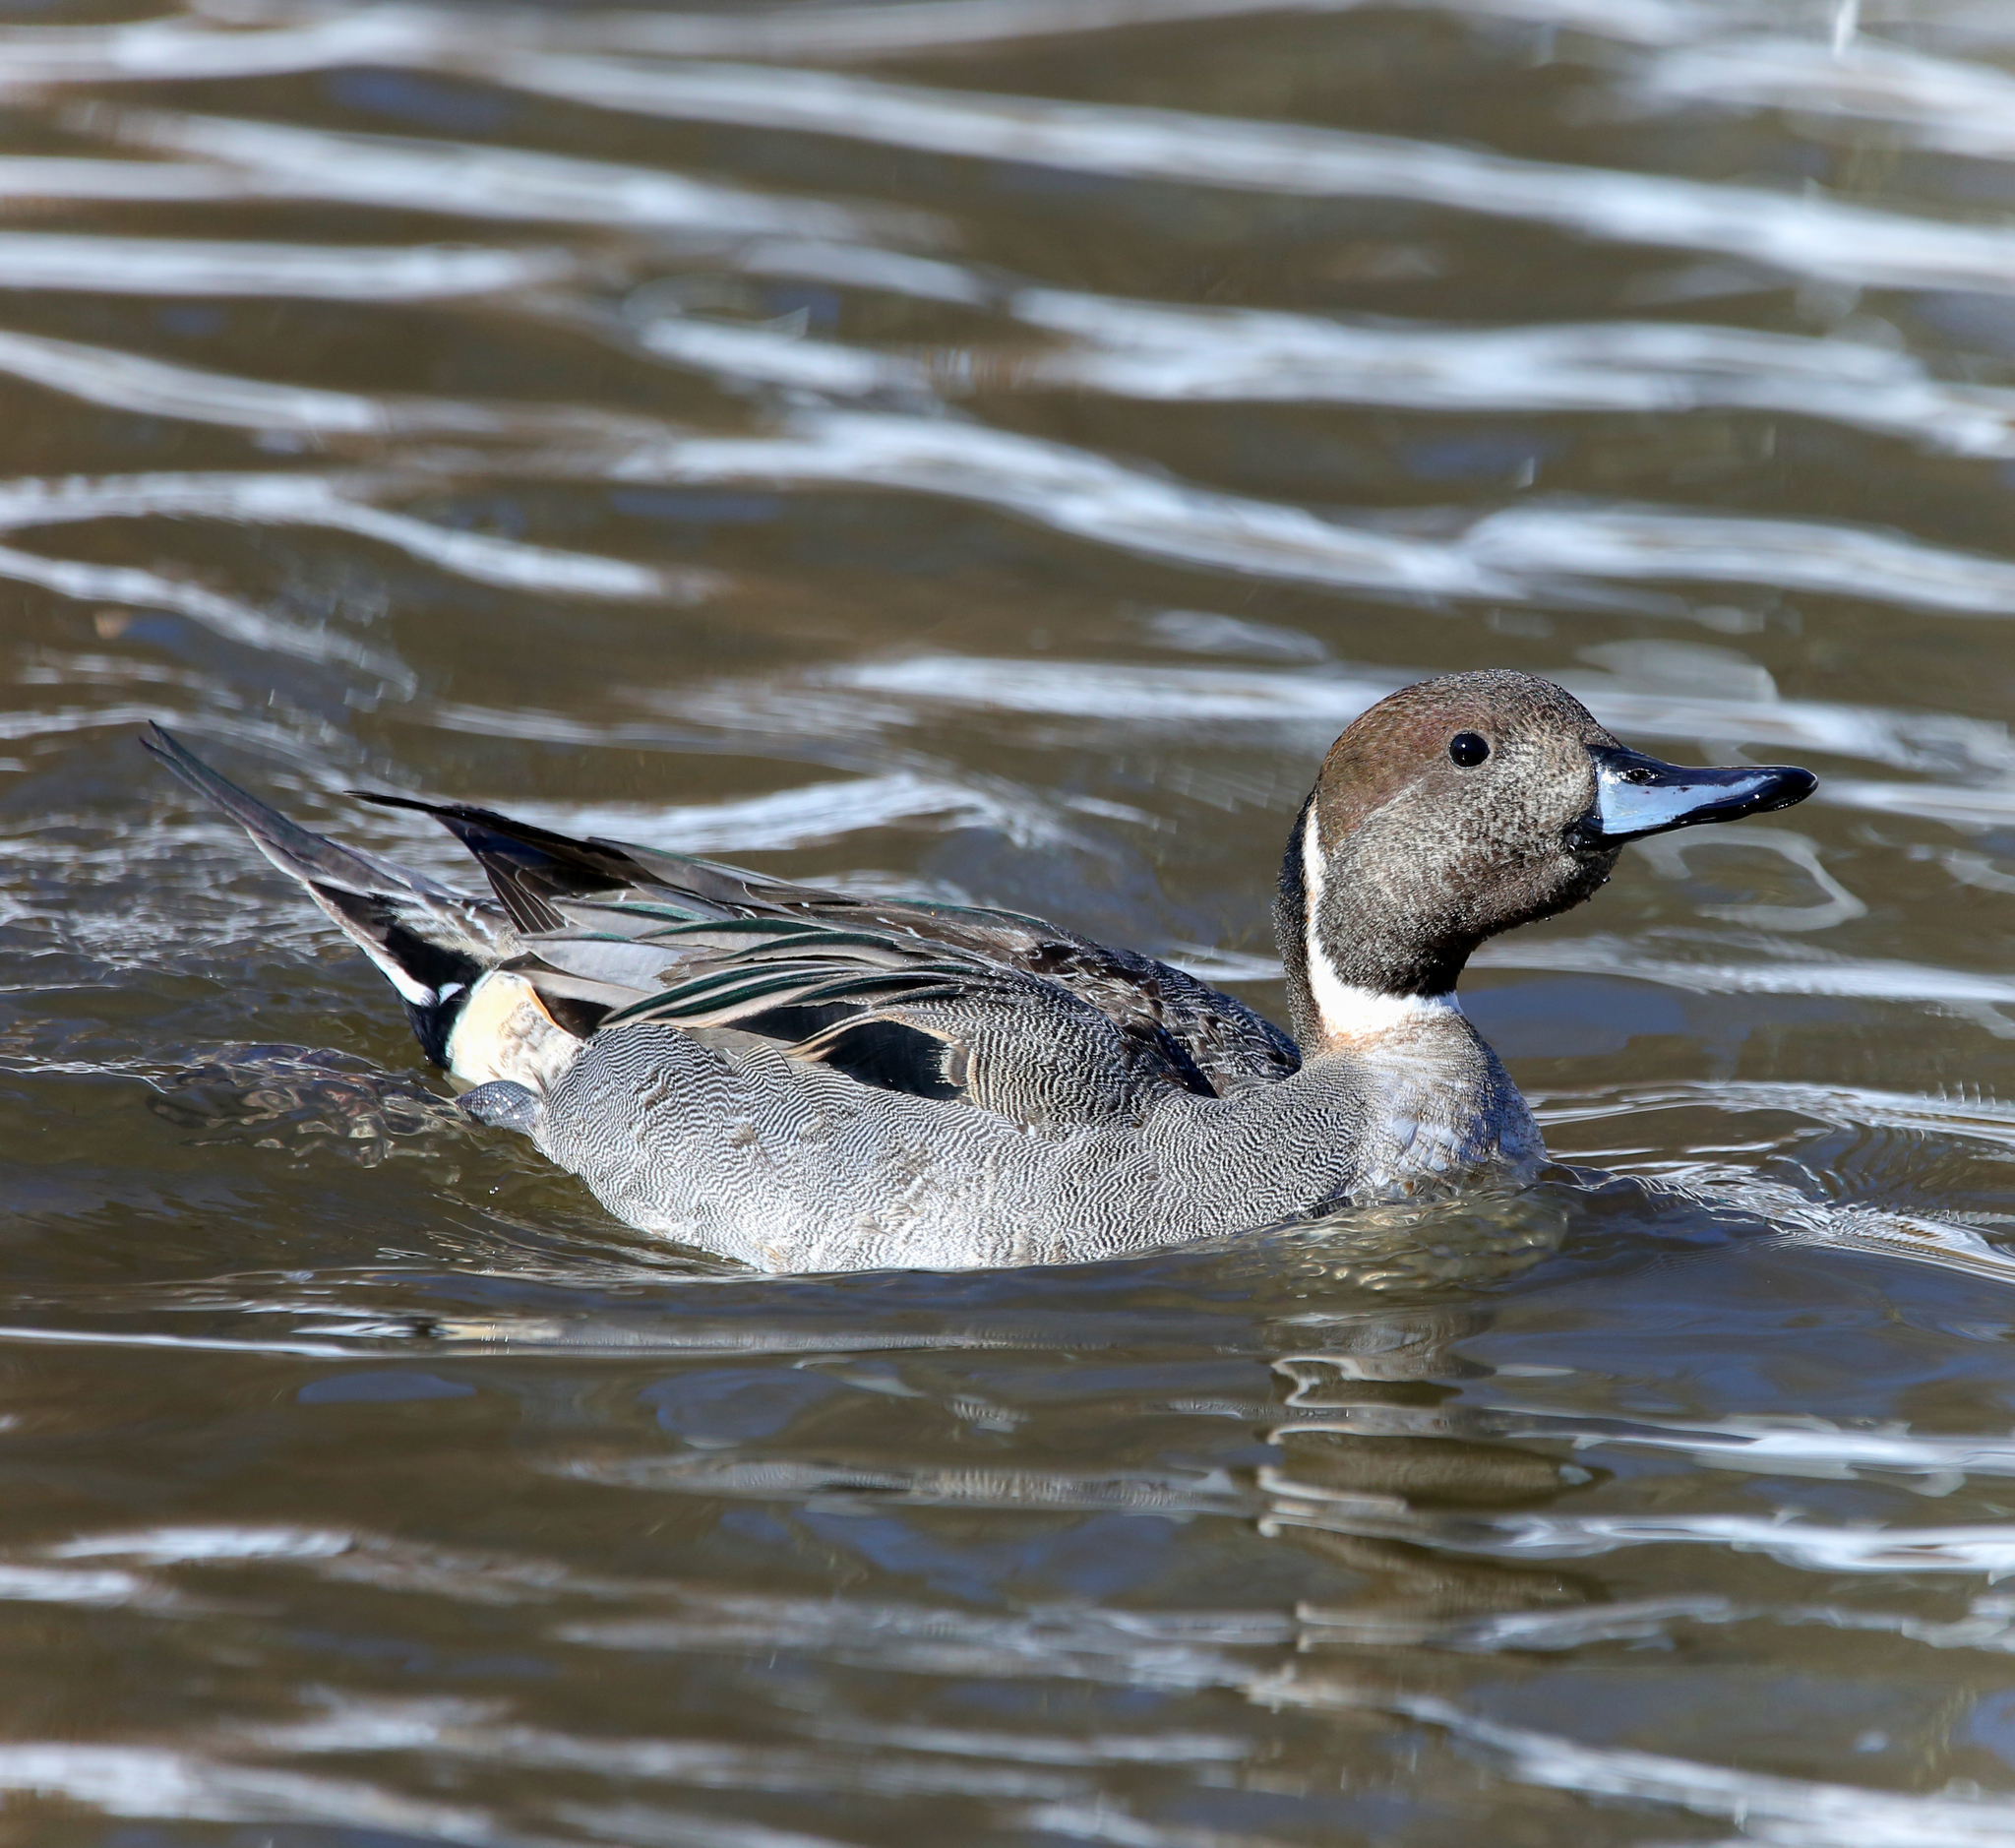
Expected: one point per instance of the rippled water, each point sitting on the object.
(988, 448)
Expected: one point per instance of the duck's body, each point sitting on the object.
(802, 1080)
(739, 1149)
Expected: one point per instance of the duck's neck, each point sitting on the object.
(1352, 970)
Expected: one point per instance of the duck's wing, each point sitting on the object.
(1230, 1043)
(909, 996)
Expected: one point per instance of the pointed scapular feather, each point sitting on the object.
(862, 946)
(614, 960)
(739, 927)
(731, 992)
(683, 1010)
(871, 1005)
(554, 986)
(807, 984)
(869, 997)
(851, 985)
(704, 994)
(712, 883)
(762, 978)
(630, 918)
(756, 973)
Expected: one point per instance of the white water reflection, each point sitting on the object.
(157, 388)
(1164, 1650)
(1651, 543)
(1972, 1118)
(173, 48)
(1526, 552)
(1770, 1447)
(792, 817)
(650, 1825)
(238, 621)
(99, 263)
(760, 356)
(1954, 105)
(122, 381)
(1074, 491)
(1983, 1549)
(1112, 1825)
(457, 1733)
(51, 1585)
(156, 1781)
(331, 502)
(1812, 236)
(1978, 808)
(861, 266)
(283, 160)
(32, 177)
(1862, 978)
(1147, 350)
(1790, 1812)
(1661, 1621)
(1773, 1445)
(1184, 354)
(882, 29)
(207, 1546)
(1179, 1749)
(789, 1479)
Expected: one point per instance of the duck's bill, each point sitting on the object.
(1637, 795)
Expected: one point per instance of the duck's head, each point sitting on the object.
(1456, 809)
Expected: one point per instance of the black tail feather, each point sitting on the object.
(287, 844)
(430, 942)
(527, 866)
(530, 866)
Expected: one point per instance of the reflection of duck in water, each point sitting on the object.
(1373, 1463)
(808, 1081)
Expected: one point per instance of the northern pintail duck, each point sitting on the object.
(808, 1081)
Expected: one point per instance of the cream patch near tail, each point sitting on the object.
(504, 1031)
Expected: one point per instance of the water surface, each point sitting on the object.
(988, 448)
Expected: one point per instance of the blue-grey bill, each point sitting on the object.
(1637, 795)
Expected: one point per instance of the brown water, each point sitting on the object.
(990, 447)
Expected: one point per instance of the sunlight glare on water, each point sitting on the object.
(987, 448)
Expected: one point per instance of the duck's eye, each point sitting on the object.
(1468, 749)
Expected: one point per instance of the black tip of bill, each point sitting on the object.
(1637, 795)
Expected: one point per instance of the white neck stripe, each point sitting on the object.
(1346, 1009)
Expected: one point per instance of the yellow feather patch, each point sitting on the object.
(506, 1032)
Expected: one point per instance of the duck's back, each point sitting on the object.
(607, 932)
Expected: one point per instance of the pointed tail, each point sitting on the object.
(430, 942)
